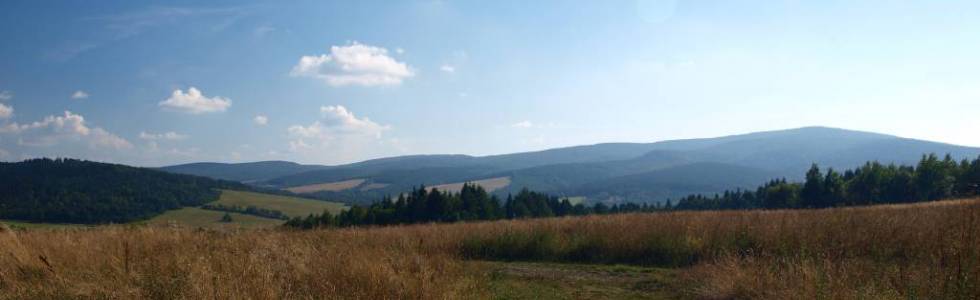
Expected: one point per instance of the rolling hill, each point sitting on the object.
(611, 172)
(77, 191)
(69, 191)
(243, 172)
(197, 217)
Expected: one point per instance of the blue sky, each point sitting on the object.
(334, 82)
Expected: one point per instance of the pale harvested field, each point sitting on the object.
(327, 186)
(374, 186)
(489, 184)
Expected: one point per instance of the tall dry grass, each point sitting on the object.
(925, 251)
(160, 263)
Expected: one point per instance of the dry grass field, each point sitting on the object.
(328, 186)
(917, 251)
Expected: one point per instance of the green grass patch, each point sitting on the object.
(32, 225)
(577, 281)
(290, 206)
(201, 218)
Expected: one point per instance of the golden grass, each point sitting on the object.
(328, 186)
(927, 251)
(291, 206)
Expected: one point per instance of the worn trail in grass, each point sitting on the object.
(523, 280)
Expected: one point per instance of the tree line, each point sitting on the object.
(247, 210)
(873, 183)
(471, 203)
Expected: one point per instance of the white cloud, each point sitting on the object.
(261, 120)
(194, 102)
(522, 124)
(341, 118)
(338, 127)
(261, 31)
(448, 68)
(354, 64)
(6, 111)
(79, 94)
(53, 130)
(6, 95)
(399, 50)
(170, 135)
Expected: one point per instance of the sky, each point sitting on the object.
(332, 82)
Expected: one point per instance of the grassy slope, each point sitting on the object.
(201, 218)
(291, 206)
(196, 217)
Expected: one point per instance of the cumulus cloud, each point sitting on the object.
(170, 135)
(261, 120)
(53, 130)
(337, 126)
(522, 124)
(6, 111)
(6, 95)
(194, 102)
(79, 94)
(354, 64)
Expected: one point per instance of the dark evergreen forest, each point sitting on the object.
(873, 183)
(77, 191)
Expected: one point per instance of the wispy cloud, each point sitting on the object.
(6, 111)
(522, 124)
(79, 94)
(130, 24)
(261, 120)
(170, 136)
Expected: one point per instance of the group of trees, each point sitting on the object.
(247, 210)
(77, 191)
(873, 183)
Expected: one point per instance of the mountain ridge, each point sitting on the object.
(572, 170)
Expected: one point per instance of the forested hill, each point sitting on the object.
(77, 191)
(608, 173)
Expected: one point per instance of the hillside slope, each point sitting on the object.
(574, 170)
(76, 191)
(243, 172)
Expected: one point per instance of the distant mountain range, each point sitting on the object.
(612, 172)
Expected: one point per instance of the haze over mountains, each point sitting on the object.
(612, 172)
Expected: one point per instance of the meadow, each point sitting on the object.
(910, 251)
